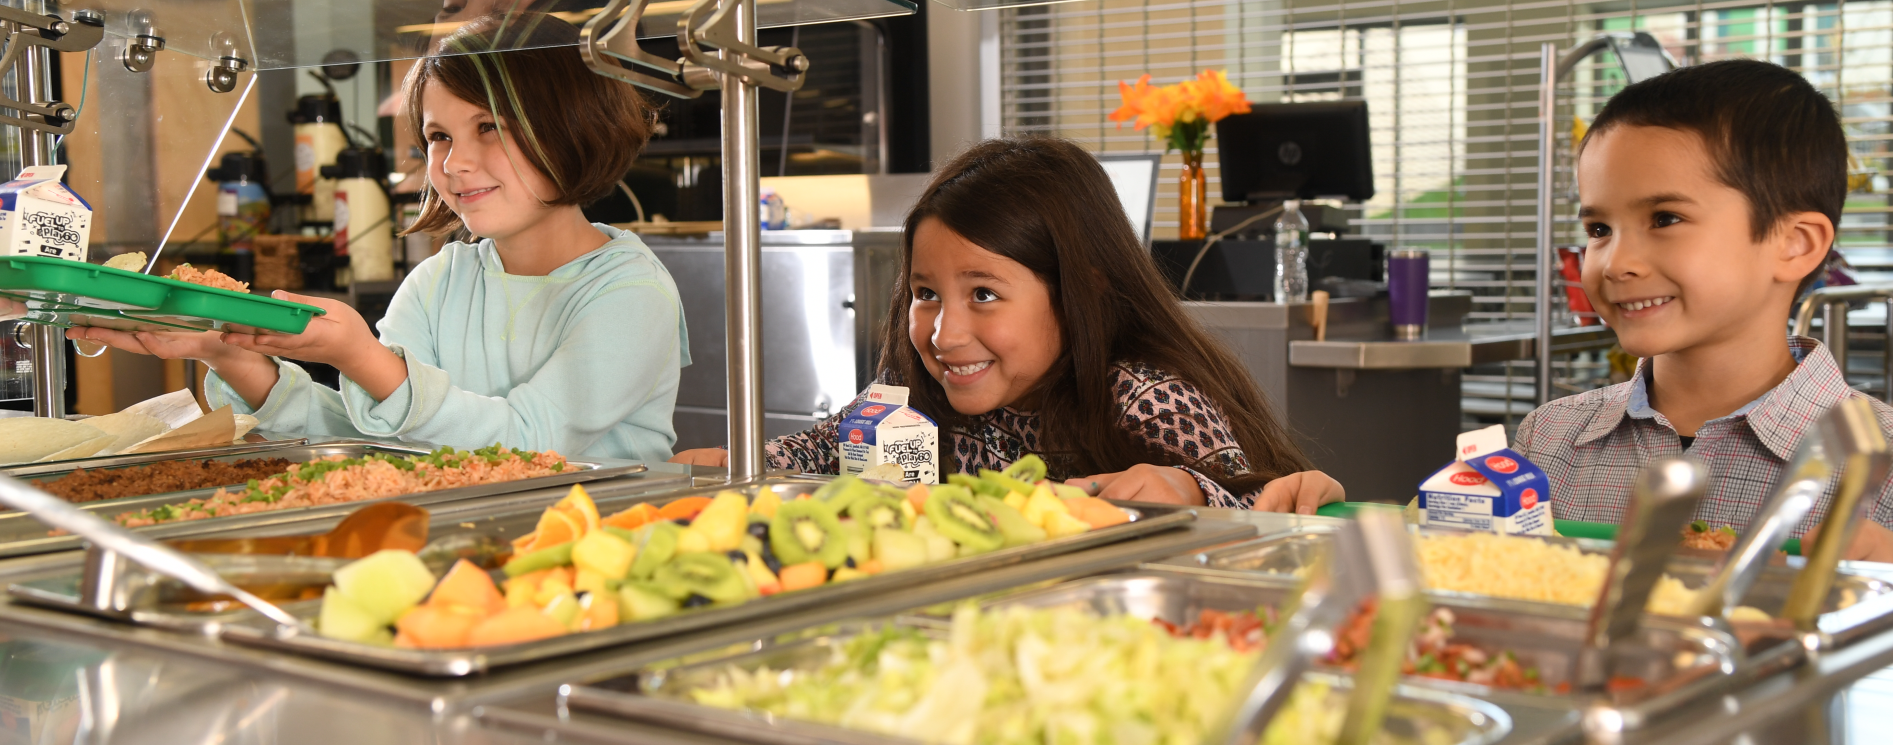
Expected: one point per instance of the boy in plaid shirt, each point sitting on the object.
(1710, 196)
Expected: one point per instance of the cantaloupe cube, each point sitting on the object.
(438, 626)
(514, 625)
(468, 586)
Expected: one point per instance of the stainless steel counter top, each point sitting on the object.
(1451, 348)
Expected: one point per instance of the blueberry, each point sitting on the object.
(738, 556)
(850, 562)
(697, 601)
(684, 521)
(760, 530)
(769, 560)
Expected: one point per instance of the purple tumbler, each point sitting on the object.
(1406, 292)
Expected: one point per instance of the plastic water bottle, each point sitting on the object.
(775, 214)
(1291, 254)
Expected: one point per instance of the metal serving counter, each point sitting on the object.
(68, 679)
(824, 293)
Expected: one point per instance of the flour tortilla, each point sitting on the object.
(210, 430)
(174, 409)
(126, 428)
(85, 449)
(30, 438)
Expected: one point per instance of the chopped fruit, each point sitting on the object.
(956, 514)
(803, 576)
(873, 566)
(1096, 512)
(640, 602)
(513, 626)
(692, 541)
(556, 527)
(541, 558)
(656, 543)
(724, 521)
(917, 496)
(439, 626)
(766, 504)
(577, 502)
(524, 543)
(469, 587)
(766, 581)
(341, 618)
(1061, 524)
(683, 509)
(1043, 503)
(597, 611)
(1016, 501)
(845, 574)
(1068, 493)
(563, 608)
(939, 547)
(1017, 530)
(898, 549)
(589, 581)
(385, 583)
(633, 518)
(605, 554)
(556, 584)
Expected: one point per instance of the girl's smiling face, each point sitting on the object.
(471, 165)
(984, 324)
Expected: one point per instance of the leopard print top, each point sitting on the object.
(1166, 411)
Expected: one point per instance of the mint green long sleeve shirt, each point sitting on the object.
(583, 361)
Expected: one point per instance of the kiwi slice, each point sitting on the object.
(956, 513)
(656, 543)
(842, 492)
(976, 485)
(1029, 469)
(710, 575)
(878, 511)
(806, 530)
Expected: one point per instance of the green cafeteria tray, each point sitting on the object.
(1566, 528)
(76, 293)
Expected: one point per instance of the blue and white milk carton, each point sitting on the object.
(884, 430)
(39, 216)
(1490, 488)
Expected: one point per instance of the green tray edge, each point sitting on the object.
(173, 285)
(1566, 528)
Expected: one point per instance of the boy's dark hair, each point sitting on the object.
(1772, 136)
(1048, 205)
(581, 129)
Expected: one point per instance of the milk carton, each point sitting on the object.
(1490, 488)
(39, 216)
(884, 430)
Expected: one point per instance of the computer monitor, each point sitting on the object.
(1296, 151)
(1135, 178)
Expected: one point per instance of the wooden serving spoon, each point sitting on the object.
(367, 530)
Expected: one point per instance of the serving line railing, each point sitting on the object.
(1833, 304)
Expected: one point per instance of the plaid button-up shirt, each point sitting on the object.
(1593, 444)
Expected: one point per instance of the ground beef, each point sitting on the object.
(111, 483)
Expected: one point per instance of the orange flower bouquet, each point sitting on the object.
(1180, 116)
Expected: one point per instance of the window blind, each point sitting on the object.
(1452, 89)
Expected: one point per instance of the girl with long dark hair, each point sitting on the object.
(1028, 318)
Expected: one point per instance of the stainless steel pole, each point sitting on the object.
(49, 343)
(1887, 349)
(1547, 100)
(1834, 329)
(742, 262)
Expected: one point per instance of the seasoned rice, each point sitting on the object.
(337, 480)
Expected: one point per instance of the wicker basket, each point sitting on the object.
(278, 263)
